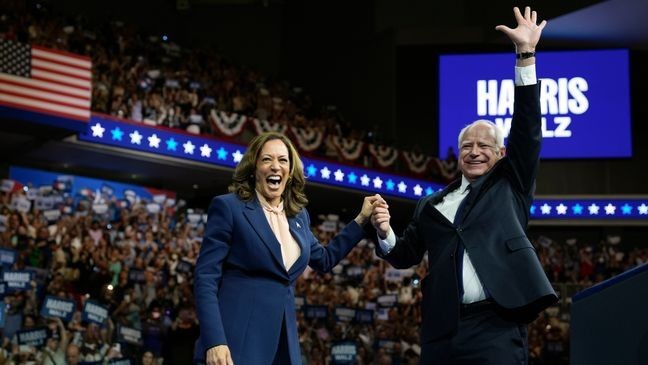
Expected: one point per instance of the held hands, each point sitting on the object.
(527, 33)
(219, 355)
(380, 218)
(368, 208)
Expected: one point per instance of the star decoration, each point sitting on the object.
(593, 209)
(626, 209)
(352, 177)
(377, 182)
(610, 209)
(222, 154)
(364, 180)
(189, 147)
(326, 173)
(545, 208)
(117, 134)
(577, 209)
(154, 141)
(237, 156)
(97, 130)
(171, 144)
(311, 170)
(643, 209)
(429, 191)
(390, 184)
(136, 138)
(532, 209)
(205, 151)
(339, 175)
(402, 187)
(418, 190)
(561, 209)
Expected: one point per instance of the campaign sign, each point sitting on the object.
(344, 314)
(94, 312)
(3, 309)
(58, 307)
(32, 337)
(343, 353)
(315, 311)
(17, 280)
(585, 106)
(129, 335)
(7, 256)
(364, 316)
(136, 276)
(388, 300)
(386, 344)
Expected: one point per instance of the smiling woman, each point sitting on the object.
(256, 244)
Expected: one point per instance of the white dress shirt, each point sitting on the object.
(473, 288)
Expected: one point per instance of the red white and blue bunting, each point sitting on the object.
(349, 149)
(230, 125)
(417, 163)
(383, 155)
(308, 139)
(262, 126)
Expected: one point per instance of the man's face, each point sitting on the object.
(478, 151)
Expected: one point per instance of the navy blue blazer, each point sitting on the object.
(494, 219)
(243, 292)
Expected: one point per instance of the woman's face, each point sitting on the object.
(272, 171)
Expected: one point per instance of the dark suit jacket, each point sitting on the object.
(243, 292)
(495, 216)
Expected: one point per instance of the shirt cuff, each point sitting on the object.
(387, 244)
(525, 75)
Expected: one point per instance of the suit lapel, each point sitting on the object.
(435, 199)
(259, 222)
(299, 231)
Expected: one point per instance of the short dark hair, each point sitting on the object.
(243, 181)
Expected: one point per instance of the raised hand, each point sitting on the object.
(527, 33)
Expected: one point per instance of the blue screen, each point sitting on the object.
(585, 100)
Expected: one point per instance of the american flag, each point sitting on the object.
(44, 80)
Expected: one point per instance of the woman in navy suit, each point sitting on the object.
(256, 244)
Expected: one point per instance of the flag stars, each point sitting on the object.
(136, 137)
(402, 187)
(429, 191)
(339, 175)
(117, 134)
(545, 209)
(237, 156)
(154, 141)
(188, 147)
(171, 144)
(610, 209)
(377, 182)
(643, 209)
(418, 190)
(364, 180)
(205, 151)
(532, 209)
(311, 170)
(221, 153)
(577, 209)
(626, 209)
(561, 209)
(390, 184)
(326, 173)
(593, 209)
(97, 130)
(352, 177)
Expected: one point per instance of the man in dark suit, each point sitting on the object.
(485, 282)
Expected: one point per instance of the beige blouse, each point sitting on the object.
(276, 216)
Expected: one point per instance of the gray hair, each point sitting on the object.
(497, 131)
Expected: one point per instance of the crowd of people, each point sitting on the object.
(152, 80)
(138, 265)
